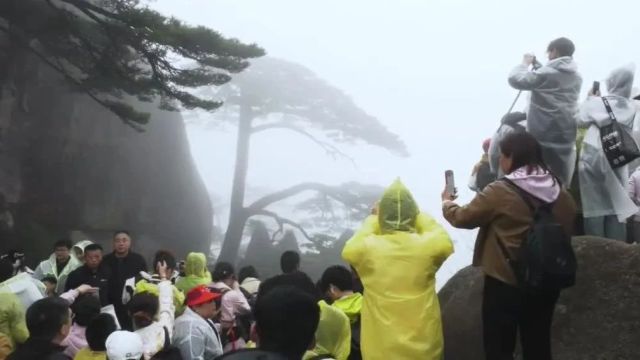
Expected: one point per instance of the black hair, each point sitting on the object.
(46, 317)
(290, 262)
(563, 46)
(92, 247)
(50, 279)
(222, 271)
(298, 279)
(6, 269)
(247, 272)
(143, 304)
(118, 232)
(286, 321)
(66, 243)
(338, 276)
(166, 256)
(85, 308)
(98, 330)
(524, 151)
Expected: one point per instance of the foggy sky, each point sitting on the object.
(434, 72)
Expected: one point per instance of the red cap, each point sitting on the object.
(201, 295)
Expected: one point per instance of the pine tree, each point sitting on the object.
(114, 50)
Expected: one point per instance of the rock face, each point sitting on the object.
(598, 319)
(67, 164)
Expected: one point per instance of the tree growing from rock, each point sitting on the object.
(115, 49)
(279, 95)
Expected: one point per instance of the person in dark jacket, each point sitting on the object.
(124, 264)
(49, 323)
(93, 273)
(504, 220)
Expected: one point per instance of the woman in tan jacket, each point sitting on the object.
(503, 217)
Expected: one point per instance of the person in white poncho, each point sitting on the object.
(552, 112)
(605, 201)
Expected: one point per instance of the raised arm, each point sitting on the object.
(521, 78)
(354, 248)
(480, 211)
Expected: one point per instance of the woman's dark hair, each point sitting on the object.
(247, 272)
(166, 256)
(143, 308)
(6, 269)
(524, 151)
(222, 271)
(85, 308)
(99, 330)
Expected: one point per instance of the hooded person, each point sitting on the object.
(397, 254)
(553, 107)
(59, 265)
(196, 273)
(605, 201)
(78, 249)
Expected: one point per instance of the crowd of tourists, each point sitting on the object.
(84, 302)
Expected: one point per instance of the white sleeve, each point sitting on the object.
(167, 311)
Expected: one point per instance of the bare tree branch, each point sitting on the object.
(280, 220)
(330, 149)
(331, 191)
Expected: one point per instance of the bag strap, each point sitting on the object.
(167, 339)
(523, 195)
(607, 106)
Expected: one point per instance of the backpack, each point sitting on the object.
(546, 260)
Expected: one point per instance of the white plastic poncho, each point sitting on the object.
(602, 188)
(553, 110)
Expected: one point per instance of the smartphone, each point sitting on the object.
(450, 182)
(596, 87)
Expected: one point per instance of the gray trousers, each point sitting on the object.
(606, 226)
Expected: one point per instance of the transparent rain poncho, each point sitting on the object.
(553, 110)
(603, 189)
(397, 255)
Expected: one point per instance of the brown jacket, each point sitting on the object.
(502, 215)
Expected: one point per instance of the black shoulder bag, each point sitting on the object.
(619, 146)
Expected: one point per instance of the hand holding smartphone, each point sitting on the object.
(595, 90)
(450, 191)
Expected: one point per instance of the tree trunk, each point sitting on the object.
(237, 214)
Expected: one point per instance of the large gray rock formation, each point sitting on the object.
(67, 164)
(598, 319)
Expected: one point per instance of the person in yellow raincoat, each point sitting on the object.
(397, 254)
(333, 336)
(196, 273)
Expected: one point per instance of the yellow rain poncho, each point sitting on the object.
(351, 305)
(333, 336)
(196, 273)
(178, 296)
(397, 255)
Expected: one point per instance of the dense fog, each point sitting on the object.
(432, 72)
